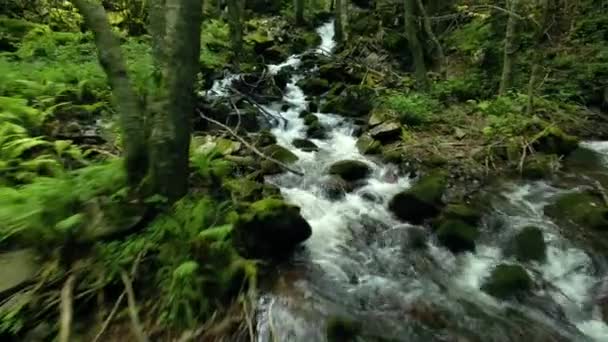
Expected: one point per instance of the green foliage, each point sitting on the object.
(215, 44)
(473, 36)
(412, 109)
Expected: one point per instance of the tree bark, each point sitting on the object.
(131, 114)
(338, 28)
(428, 28)
(510, 49)
(299, 12)
(170, 135)
(235, 10)
(411, 34)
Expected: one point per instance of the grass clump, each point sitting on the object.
(412, 109)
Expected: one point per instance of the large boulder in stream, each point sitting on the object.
(387, 131)
(457, 236)
(350, 170)
(585, 209)
(422, 200)
(354, 101)
(340, 329)
(305, 145)
(529, 245)
(279, 153)
(270, 228)
(314, 86)
(553, 140)
(508, 281)
(367, 145)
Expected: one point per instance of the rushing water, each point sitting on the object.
(358, 264)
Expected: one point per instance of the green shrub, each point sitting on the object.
(412, 109)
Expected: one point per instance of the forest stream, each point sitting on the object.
(358, 264)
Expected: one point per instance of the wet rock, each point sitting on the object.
(378, 116)
(275, 54)
(18, 268)
(462, 212)
(457, 236)
(316, 131)
(265, 138)
(367, 145)
(585, 209)
(313, 106)
(283, 76)
(529, 245)
(310, 119)
(314, 86)
(508, 281)
(280, 153)
(386, 132)
(335, 188)
(393, 153)
(350, 170)
(354, 101)
(553, 140)
(303, 40)
(416, 238)
(305, 145)
(540, 166)
(421, 201)
(270, 228)
(340, 329)
(336, 72)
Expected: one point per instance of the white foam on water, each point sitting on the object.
(328, 43)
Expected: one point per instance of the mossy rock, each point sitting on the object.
(316, 131)
(461, 211)
(553, 140)
(336, 72)
(275, 54)
(339, 329)
(378, 116)
(507, 281)
(243, 189)
(457, 236)
(393, 153)
(310, 119)
(387, 131)
(304, 40)
(280, 153)
(335, 188)
(314, 86)
(355, 101)
(585, 209)
(539, 166)
(270, 228)
(367, 145)
(422, 200)
(265, 138)
(350, 170)
(529, 245)
(305, 145)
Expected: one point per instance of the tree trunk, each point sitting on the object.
(299, 12)
(170, 135)
(509, 50)
(235, 10)
(428, 28)
(131, 114)
(411, 34)
(338, 28)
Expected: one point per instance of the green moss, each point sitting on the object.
(507, 281)
(422, 200)
(350, 170)
(457, 235)
(583, 208)
(411, 109)
(553, 140)
(539, 166)
(243, 189)
(367, 145)
(463, 212)
(314, 86)
(354, 101)
(281, 154)
(430, 188)
(310, 119)
(530, 245)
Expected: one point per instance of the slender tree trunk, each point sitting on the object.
(510, 49)
(170, 135)
(411, 33)
(338, 28)
(235, 10)
(299, 12)
(428, 28)
(112, 61)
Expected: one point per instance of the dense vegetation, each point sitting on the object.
(121, 188)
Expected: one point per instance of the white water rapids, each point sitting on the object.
(355, 264)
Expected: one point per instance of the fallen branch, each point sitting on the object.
(137, 329)
(67, 300)
(249, 146)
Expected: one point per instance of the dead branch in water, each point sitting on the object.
(249, 146)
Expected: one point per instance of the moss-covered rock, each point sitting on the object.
(270, 228)
(367, 145)
(553, 140)
(310, 119)
(303, 40)
(335, 188)
(314, 86)
(529, 245)
(393, 153)
(585, 209)
(378, 116)
(305, 145)
(422, 200)
(354, 101)
(316, 131)
(350, 170)
(243, 189)
(457, 236)
(461, 211)
(265, 138)
(387, 131)
(280, 153)
(508, 281)
(339, 329)
(539, 166)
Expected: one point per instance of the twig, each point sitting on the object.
(249, 146)
(106, 323)
(137, 329)
(66, 309)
